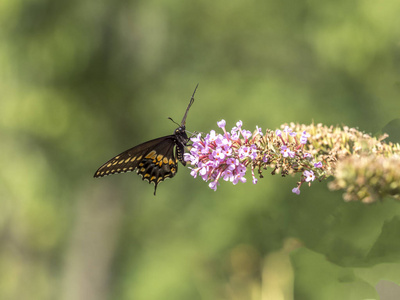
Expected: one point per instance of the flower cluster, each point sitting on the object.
(368, 178)
(223, 156)
(364, 166)
(228, 155)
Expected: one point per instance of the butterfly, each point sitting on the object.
(153, 160)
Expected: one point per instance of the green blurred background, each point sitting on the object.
(81, 81)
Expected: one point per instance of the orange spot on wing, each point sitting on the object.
(151, 155)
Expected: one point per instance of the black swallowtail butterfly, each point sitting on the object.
(153, 160)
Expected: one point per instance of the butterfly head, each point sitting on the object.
(180, 130)
(180, 135)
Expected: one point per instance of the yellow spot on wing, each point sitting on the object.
(159, 157)
(128, 159)
(151, 155)
(165, 160)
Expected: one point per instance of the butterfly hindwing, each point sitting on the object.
(160, 163)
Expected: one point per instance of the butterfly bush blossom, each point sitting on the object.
(312, 151)
(228, 155)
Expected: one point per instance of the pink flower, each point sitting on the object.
(309, 175)
(318, 165)
(296, 190)
(221, 124)
(213, 185)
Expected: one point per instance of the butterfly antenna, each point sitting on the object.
(174, 121)
(190, 104)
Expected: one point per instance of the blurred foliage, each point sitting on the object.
(81, 81)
